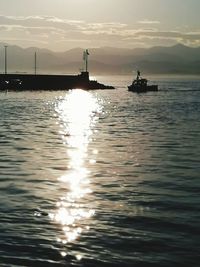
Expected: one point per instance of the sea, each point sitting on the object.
(103, 178)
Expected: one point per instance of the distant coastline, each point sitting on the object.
(175, 60)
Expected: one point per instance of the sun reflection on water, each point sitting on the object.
(77, 114)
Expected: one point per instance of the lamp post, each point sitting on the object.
(35, 63)
(5, 47)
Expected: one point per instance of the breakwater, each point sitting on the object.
(19, 82)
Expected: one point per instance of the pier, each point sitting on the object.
(20, 82)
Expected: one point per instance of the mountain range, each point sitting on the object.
(177, 59)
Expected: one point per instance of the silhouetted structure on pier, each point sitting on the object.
(36, 81)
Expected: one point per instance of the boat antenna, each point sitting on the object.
(85, 59)
(138, 75)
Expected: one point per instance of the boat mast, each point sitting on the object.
(138, 75)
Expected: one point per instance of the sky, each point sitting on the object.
(61, 25)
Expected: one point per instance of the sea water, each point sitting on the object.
(101, 178)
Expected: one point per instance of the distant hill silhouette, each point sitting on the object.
(178, 59)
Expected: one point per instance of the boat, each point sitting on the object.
(140, 85)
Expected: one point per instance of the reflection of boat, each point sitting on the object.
(139, 85)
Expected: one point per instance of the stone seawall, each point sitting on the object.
(19, 82)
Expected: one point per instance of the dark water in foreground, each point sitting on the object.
(103, 178)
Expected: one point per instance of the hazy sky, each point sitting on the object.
(63, 24)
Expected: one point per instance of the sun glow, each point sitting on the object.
(77, 114)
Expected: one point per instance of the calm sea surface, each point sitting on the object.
(101, 178)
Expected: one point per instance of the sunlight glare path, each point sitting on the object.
(77, 113)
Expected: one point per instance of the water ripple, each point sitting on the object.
(106, 178)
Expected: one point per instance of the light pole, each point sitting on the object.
(35, 63)
(5, 47)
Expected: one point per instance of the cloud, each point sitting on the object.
(146, 21)
(61, 34)
(169, 35)
(102, 26)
